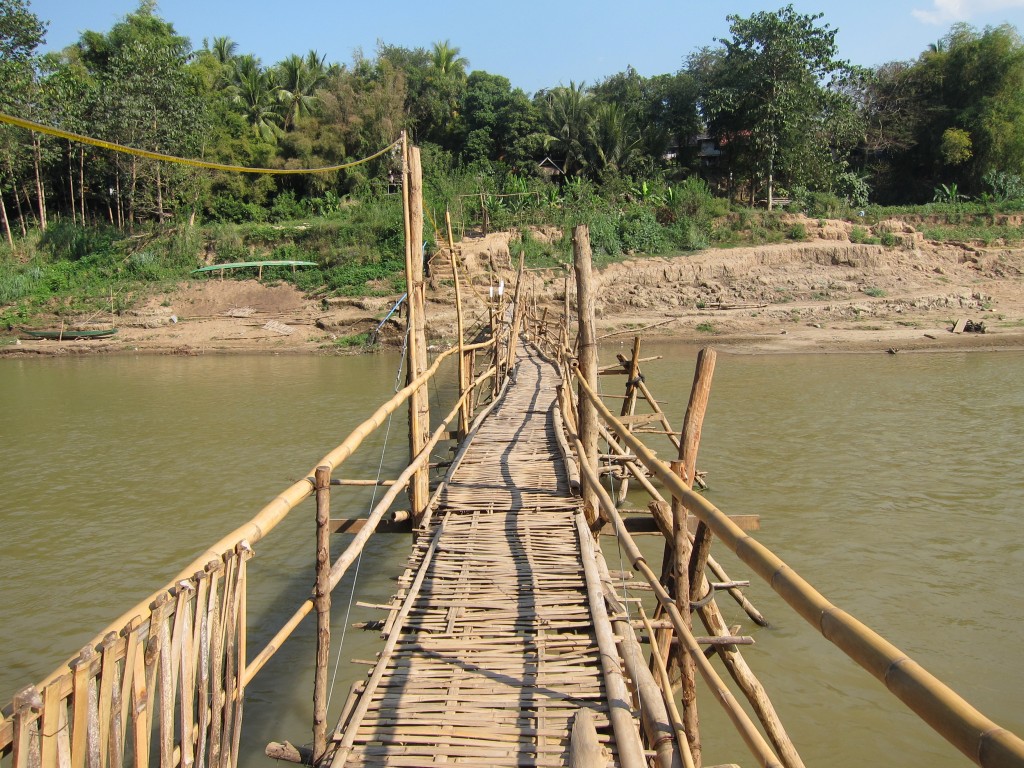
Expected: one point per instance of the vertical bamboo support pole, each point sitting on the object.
(25, 742)
(419, 404)
(323, 609)
(689, 442)
(463, 381)
(687, 666)
(518, 310)
(587, 359)
(629, 405)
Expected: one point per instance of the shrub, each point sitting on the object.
(287, 208)
(797, 231)
(641, 232)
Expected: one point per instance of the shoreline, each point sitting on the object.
(821, 296)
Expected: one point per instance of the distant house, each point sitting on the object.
(709, 149)
(550, 169)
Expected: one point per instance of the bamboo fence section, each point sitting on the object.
(176, 663)
(980, 739)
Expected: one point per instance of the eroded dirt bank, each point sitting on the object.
(825, 294)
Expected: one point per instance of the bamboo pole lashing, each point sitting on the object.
(974, 734)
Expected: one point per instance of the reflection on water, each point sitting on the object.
(890, 482)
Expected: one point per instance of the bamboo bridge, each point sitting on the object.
(507, 642)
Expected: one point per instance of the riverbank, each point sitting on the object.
(825, 294)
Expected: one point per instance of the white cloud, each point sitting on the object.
(948, 11)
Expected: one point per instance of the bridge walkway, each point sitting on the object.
(491, 646)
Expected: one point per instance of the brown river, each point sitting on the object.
(892, 483)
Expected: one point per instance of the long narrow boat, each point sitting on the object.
(69, 333)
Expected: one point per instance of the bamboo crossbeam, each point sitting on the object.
(950, 715)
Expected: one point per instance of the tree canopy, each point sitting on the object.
(770, 105)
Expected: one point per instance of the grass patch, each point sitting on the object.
(876, 293)
(706, 328)
(353, 340)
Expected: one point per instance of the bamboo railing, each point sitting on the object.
(976, 736)
(164, 683)
(177, 662)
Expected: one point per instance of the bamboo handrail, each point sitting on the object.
(271, 514)
(949, 714)
(346, 558)
(737, 715)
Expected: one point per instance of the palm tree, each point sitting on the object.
(569, 116)
(254, 90)
(299, 79)
(446, 61)
(614, 140)
(224, 49)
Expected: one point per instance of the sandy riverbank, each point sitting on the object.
(823, 295)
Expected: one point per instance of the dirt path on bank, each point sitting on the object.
(823, 295)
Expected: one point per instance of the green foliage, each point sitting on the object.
(773, 90)
(948, 193)
(796, 231)
(1004, 186)
(874, 292)
(706, 328)
(640, 231)
(956, 146)
(862, 236)
(354, 340)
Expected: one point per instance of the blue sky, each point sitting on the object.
(536, 45)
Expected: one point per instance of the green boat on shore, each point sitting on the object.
(68, 334)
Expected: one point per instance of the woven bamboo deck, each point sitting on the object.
(490, 645)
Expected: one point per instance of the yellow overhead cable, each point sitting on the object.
(39, 128)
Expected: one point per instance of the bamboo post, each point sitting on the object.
(419, 405)
(463, 381)
(25, 741)
(587, 421)
(653, 712)
(629, 404)
(687, 667)
(323, 609)
(518, 310)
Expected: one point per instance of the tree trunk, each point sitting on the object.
(120, 208)
(37, 158)
(159, 196)
(81, 182)
(7, 223)
(71, 183)
(131, 193)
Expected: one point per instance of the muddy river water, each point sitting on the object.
(892, 483)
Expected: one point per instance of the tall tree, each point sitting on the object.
(256, 92)
(446, 60)
(21, 33)
(147, 97)
(774, 91)
(568, 113)
(299, 78)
